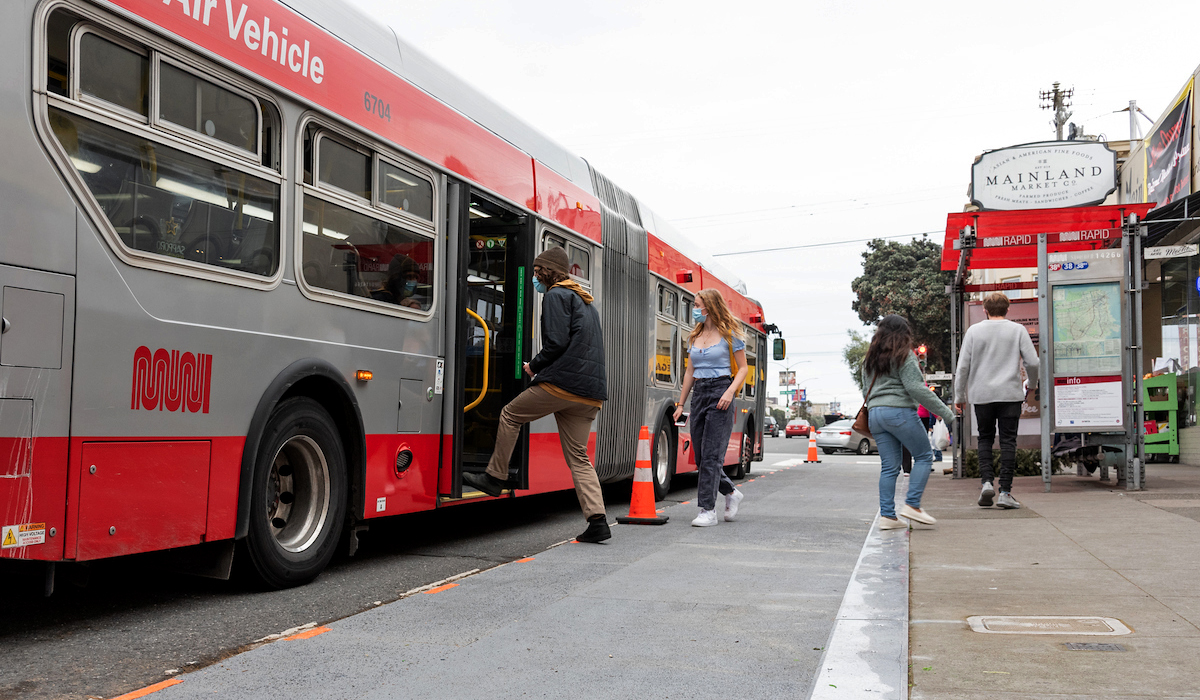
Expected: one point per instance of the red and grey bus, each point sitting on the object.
(265, 273)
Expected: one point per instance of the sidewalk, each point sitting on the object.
(740, 610)
(1084, 549)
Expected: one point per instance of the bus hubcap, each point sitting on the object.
(298, 494)
(662, 460)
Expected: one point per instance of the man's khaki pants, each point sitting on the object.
(574, 424)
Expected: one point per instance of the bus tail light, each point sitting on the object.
(364, 375)
(683, 276)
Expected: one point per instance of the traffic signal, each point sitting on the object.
(922, 351)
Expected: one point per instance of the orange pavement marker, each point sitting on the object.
(641, 501)
(148, 689)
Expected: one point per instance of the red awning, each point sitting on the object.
(1009, 238)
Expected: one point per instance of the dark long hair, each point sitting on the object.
(890, 347)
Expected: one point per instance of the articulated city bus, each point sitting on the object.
(266, 277)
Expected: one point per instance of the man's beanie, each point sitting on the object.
(553, 259)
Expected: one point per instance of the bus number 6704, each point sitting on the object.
(376, 106)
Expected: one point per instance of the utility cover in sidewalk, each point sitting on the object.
(1048, 624)
(1081, 646)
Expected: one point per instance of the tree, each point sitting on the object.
(853, 355)
(906, 279)
(779, 415)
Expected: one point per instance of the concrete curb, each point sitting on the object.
(867, 650)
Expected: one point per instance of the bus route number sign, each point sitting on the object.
(376, 106)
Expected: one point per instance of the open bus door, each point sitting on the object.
(490, 331)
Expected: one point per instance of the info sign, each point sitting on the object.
(1087, 333)
(1045, 175)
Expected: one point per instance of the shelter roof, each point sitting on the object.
(1009, 238)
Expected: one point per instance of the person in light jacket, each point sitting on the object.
(895, 387)
(989, 377)
(568, 381)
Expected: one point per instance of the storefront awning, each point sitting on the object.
(1157, 229)
(1009, 238)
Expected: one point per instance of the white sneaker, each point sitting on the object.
(731, 505)
(892, 524)
(986, 494)
(1007, 501)
(707, 518)
(907, 511)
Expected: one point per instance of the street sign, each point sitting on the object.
(939, 377)
(1171, 251)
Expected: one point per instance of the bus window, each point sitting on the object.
(205, 108)
(114, 73)
(580, 263)
(685, 312)
(163, 201)
(752, 375)
(343, 167)
(664, 352)
(405, 190)
(352, 253)
(666, 302)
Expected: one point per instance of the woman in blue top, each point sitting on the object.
(710, 374)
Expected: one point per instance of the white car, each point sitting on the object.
(842, 436)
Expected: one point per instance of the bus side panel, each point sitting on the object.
(37, 230)
(548, 470)
(390, 491)
(35, 380)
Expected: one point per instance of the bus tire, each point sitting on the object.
(662, 458)
(738, 471)
(298, 497)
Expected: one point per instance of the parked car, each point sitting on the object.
(797, 426)
(770, 427)
(842, 436)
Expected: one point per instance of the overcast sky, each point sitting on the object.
(762, 124)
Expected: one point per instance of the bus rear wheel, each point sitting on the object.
(663, 460)
(298, 497)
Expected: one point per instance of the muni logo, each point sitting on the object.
(170, 380)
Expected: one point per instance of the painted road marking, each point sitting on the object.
(439, 589)
(148, 689)
(307, 634)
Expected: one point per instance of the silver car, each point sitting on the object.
(842, 436)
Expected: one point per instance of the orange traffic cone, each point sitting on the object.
(641, 502)
(812, 449)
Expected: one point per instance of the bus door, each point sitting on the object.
(492, 335)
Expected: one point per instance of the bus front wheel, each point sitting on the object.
(298, 499)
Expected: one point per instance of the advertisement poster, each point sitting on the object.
(1169, 154)
(1088, 402)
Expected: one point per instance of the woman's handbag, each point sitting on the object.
(862, 420)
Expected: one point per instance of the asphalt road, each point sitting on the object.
(118, 625)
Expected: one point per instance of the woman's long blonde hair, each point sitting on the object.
(719, 315)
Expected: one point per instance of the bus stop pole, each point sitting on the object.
(1045, 381)
(1134, 444)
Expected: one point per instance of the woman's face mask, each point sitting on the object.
(699, 317)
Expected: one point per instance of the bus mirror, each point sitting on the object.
(780, 349)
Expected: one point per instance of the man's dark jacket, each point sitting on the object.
(572, 356)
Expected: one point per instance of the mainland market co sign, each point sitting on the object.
(1046, 175)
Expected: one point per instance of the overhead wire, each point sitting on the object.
(823, 245)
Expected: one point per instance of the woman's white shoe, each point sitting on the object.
(892, 524)
(907, 511)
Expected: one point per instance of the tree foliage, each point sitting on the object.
(853, 355)
(906, 279)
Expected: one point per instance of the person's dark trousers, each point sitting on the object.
(988, 416)
(711, 428)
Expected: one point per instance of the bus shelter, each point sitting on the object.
(1089, 317)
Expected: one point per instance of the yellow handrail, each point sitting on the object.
(487, 345)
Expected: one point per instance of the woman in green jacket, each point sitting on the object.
(895, 387)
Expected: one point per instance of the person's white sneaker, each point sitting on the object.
(907, 511)
(731, 505)
(707, 518)
(892, 524)
(1007, 501)
(986, 494)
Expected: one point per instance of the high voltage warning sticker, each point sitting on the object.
(23, 535)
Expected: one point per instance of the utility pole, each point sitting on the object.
(1058, 100)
